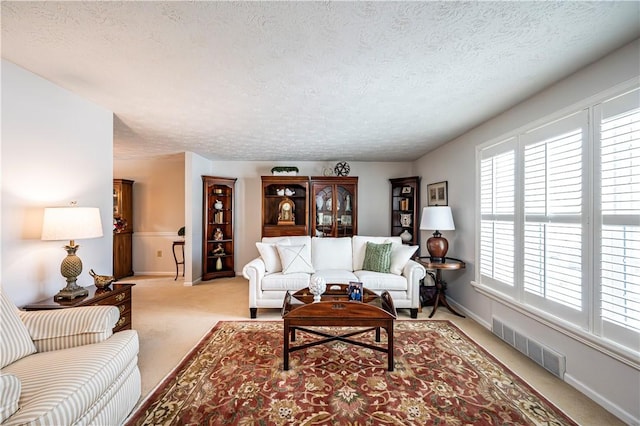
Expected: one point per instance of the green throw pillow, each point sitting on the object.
(377, 257)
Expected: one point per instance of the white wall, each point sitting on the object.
(158, 210)
(609, 382)
(56, 148)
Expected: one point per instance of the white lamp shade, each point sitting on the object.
(71, 223)
(437, 218)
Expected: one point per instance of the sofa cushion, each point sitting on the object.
(269, 254)
(332, 253)
(360, 246)
(377, 257)
(9, 395)
(400, 255)
(336, 276)
(15, 341)
(378, 281)
(282, 282)
(295, 259)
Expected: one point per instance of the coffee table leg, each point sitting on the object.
(377, 334)
(390, 345)
(285, 351)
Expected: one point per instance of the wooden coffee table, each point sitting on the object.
(335, 309)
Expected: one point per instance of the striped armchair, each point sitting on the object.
(66, 366)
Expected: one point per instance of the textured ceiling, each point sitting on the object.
(367, 81)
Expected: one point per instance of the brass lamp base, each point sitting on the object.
(71, 268)
(71, 292)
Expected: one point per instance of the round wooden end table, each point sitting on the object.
(448, 264)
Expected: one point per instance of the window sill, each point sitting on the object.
(620, 353)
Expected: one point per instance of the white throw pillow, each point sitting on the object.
(295, 259)
(15, 341)
(270, 256)
(400, 255)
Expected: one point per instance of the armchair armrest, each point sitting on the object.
(67, 328)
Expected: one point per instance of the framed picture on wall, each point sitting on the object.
(437, 194)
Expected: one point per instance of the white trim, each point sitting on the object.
(618, 352)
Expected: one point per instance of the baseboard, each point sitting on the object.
(603, 402)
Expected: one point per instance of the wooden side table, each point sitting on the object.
(173, 248)
(449, 264)
(118, 295)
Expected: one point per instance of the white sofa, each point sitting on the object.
(337, 260)
(66, 367)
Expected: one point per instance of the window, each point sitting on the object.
(619, 211)
(538, 243)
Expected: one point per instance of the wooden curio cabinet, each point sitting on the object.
(285, 206)
(217, 232)
(122, 228)
(405, 209)
(334, 206)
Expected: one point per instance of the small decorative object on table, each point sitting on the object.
(181, 232)
(355, 291)
(317, 286)
(101, 281)
(342, 168)
(406, 236)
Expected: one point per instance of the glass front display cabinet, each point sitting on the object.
(334, 206)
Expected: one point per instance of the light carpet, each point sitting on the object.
(441, 376)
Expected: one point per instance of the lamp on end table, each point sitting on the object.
(71, 223)
(437, 218)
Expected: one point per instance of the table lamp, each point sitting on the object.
(71, 223)
(437, 219)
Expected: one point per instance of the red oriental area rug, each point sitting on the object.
(234, 376)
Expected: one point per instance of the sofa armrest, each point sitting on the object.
(414, 272)
(67, 328)
(10, 388)
(254, 271)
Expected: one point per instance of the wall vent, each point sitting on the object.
(546, 357)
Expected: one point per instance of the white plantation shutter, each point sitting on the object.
(620, 215)
(559, 225)
(553, 181)
(497, 204)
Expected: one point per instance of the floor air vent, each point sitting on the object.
(545, 357)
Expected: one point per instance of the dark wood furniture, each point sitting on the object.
(180, 244)
(275, 190)
(217, 236)
(449, 264)
(334, 206)
(123, 236)
(405, 208)
(299, 312)
(117, 294)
